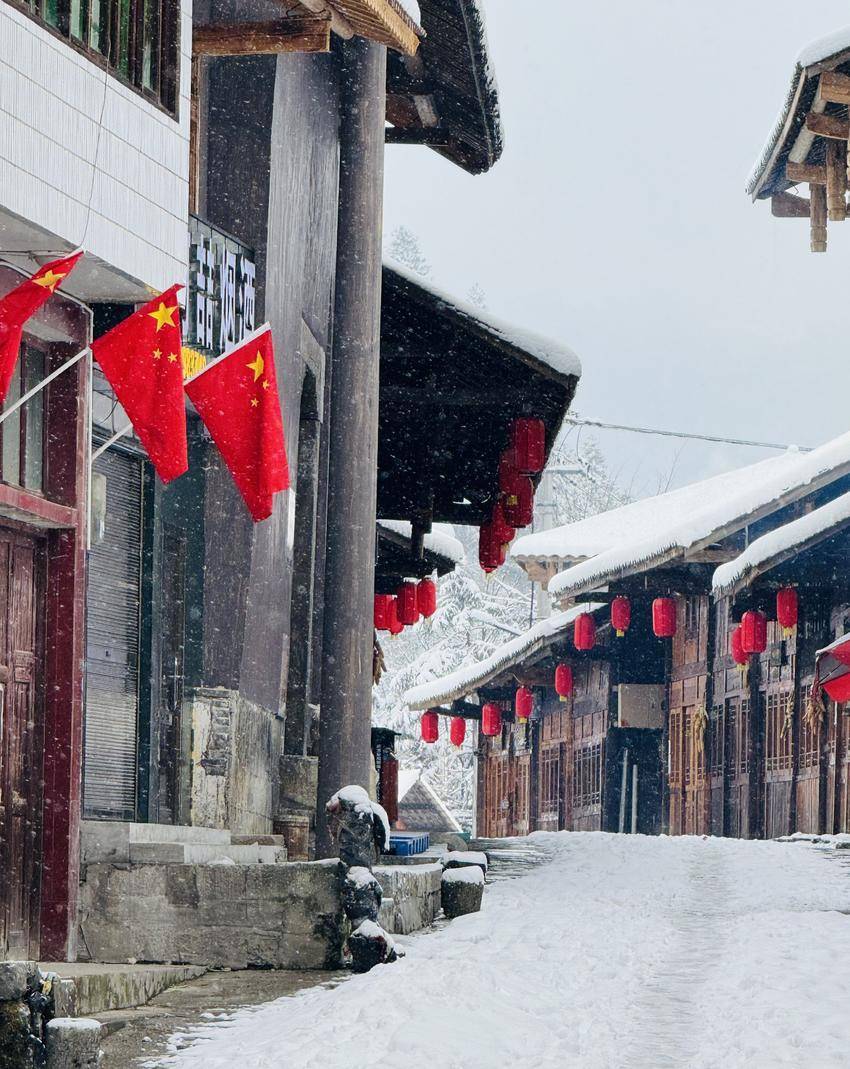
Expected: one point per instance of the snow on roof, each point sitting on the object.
(411, 9)
(716, 509)
(441, 539)
(824, 48)
(544, 350)
(408, 778)
(777, 546)
(471, 676)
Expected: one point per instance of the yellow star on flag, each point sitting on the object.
(257, 366)
(157, 353)
(163, 315)
(265, 384)
(254, 402)
(172, 358)
(50, 279)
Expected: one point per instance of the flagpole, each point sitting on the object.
(239, 345)
(111, 441)
(89, 431)
(40, 386)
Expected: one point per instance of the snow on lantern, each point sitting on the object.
(502, 530)
(426, 597)
(736, 649)
(664, 617)
(489, 549)
(491, 720)
(787, 608)
(521, 513)
(621, 615)
(563, 681)
(383, 604)
(753, 632)
(523, 704)
(457, 730)
(429, 726)
(584, 632)
(394, 625)
(408, 608)
(528, 438)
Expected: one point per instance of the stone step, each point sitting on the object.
(110, 841)
(153, 853)
(88, 989)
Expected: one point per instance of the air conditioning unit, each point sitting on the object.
(640, 705)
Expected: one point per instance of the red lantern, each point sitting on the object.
(489, 549)
(664, 617)
(787, 608)
(753, 632)
(408, 609)
(457, 730)
(563, 681)
(394, 625)
(584, 632)
(502, 530)
(523, 704)
(383, 603)
(491, 720)
(426, 597)
(737, 650)
(621, 615)
(521, 513)
(528, 437)
(508, 476)
(429, 726)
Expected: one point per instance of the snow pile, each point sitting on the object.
(468, 874)
(775, 546)
(358, 798)
(467, 857)
(621, 951)
(472, 676)
(440, 539)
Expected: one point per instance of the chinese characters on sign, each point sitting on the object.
(220, 309)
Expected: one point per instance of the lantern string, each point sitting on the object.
(580, 421)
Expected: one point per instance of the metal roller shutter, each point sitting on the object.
(112, 654)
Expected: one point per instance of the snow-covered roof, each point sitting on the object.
(408, 778)
(833, 45)
(777, 546)
(441, 538)
(715, 509)
(472, 676)
(552, 354)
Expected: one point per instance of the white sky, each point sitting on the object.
(617, 222)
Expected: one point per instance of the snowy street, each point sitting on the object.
(595, 951)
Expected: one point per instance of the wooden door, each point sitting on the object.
(21, 728)
(777, 711)
(675, 769)
(549, 805)
(809, 769)
(737, 736)
(521, 809)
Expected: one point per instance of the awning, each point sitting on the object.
(833, 669)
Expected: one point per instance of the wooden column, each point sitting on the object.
(836, 181)
(345, 721)
(818, 218)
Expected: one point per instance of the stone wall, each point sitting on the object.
(411, 896)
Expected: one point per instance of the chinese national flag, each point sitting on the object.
(236, 397)
(141, 358)
(22, 303)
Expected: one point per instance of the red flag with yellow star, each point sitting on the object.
(236, 397)
(22, 303)
(141, 358)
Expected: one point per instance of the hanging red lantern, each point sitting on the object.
(426, 597)
(584, 632)
(489, 549)
(394, 625)
(753, 632)
(408, 609)
(621, 615)
(429, 726)
(457, 730)
(502, 530)
(508, 476)
(383, 602)
(664, 617)
(787, 608)
(737, 650)
(563, 681)
(528, 438)
(491, 720)
(523, 704)
(521, 513)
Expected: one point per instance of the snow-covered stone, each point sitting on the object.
(73, 1043)
(462, 891)
(458, 859)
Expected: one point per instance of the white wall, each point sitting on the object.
(51, 99)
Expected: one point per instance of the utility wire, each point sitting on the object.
(577, 421)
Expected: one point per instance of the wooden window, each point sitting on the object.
(587, 776)
(550, 782)
(716, 741)
(137, 40)
(778, 710)
(809, 744)
(675, 744)
(22, 433)
(692, 614)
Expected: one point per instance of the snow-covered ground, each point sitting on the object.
(614, 952)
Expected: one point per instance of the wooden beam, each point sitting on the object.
(789, 206)
(805, 172)
(836, 181)
(262, 38)
(828, 126)
(834, 88)
(818, 218)
(339, 24)
(416, 135)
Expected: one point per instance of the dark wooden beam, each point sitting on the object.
(416, 135)
(805, 172)
(836, 181)
(828, 126)
(262, 38)
(452, 398)
(818, 218)
(789, 206)
(834, 88)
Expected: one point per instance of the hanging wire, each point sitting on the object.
(579, 421)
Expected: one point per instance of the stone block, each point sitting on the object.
(462, 891)
(13, 979)
(73, 1043)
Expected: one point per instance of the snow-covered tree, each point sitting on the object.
(405, 249)
(477, 296)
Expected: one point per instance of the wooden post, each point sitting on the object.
(345, 721)
(818, 217)
(836, 181)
